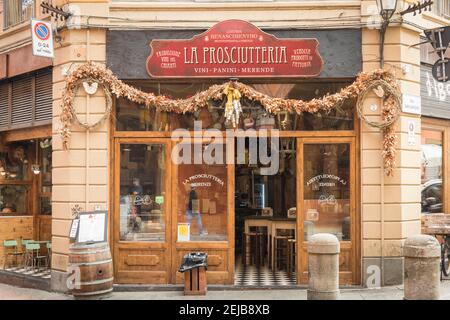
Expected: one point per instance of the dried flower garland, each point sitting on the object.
(106, 78)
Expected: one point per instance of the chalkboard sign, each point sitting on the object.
(92, 227)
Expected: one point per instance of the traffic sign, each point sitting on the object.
(42, 35)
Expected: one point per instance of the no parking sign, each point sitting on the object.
(41, 33)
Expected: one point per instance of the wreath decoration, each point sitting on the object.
(106, 114)
(359, 89)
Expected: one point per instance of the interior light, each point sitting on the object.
(36, 169)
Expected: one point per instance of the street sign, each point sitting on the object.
(42, 36)
(411, 104)
(441, 70)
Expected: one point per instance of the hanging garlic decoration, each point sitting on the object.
(233, 108)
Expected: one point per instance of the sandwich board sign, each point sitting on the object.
(42, 36)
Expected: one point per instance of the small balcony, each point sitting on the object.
(17, 11)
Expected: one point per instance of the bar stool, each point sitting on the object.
(253, 240)
(26, 256)
(10, 250)
(280, 251)
(281, 245)
(33, 250)
(291, 256)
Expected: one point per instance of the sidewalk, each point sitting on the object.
(386, 293)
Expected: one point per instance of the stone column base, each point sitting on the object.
(392, 275)
(59, 281)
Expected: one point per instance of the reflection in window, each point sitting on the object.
(14, 162)
(142, 170)
(13, 199)
(202, 196)
(133, 117)
(431, 171)
(45, 193)
(327, 189)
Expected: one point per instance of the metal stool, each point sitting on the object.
(10, 250)
(33, 250)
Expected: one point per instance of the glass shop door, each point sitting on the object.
(141, 223)
(327, 201)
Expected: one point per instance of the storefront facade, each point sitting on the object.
(157, 260)
(375, 212)
(25, 151)
(435, 136)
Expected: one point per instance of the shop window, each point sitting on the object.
(134, 117)
(45, 188)
(202, 194)
(327, 189)
(15, 178)
(14, 162)
(142, 174)
(432, 171)
(14, 199)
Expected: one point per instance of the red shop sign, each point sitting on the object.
(234, 48)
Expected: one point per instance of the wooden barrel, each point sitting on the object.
(92, 268)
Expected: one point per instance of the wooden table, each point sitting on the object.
(272, 224)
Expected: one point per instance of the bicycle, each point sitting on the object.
(445, 256)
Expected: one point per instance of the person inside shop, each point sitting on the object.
(193, 208)
(137, 193)
(135, 222)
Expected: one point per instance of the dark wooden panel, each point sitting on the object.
(127, 51)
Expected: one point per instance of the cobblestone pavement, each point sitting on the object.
(387, 293)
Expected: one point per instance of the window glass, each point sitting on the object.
(45, 207)
(202, 195)
(142, 194)
(14, 162)
(133, 117)
(431, 171)
(14, 199)
(327, 189)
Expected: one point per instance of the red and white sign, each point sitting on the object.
(42, 36)
(234, 48)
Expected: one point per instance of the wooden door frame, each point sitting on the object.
(116, 244)
(355, 218)
(442, 126)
